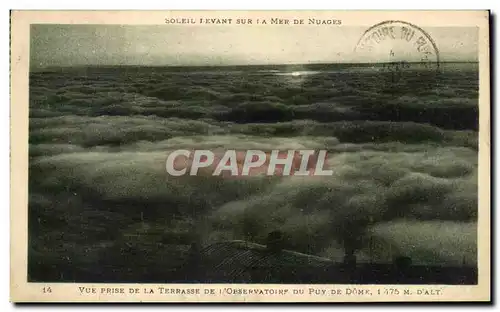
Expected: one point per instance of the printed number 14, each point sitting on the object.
(47, 290)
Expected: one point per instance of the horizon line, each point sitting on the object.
(239, 65)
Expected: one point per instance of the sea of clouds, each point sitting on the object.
(98, 148)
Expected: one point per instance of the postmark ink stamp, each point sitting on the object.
(401, 49)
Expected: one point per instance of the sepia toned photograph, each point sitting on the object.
(259, 149)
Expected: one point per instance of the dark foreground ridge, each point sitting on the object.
(245, 262)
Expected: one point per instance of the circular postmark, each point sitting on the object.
(400, 51)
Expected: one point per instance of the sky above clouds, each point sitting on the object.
(76, 45)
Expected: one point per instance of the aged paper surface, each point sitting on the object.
(263, 156)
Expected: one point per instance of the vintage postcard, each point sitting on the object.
(250, 156)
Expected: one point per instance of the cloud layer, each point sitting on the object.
(404, 163)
